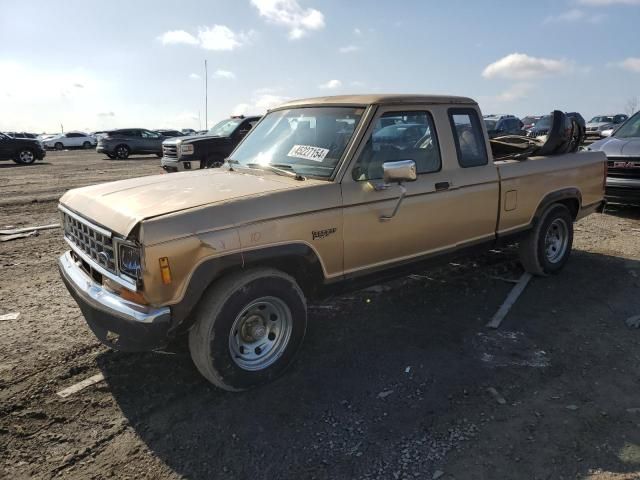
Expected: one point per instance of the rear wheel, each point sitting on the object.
(86, 145)
(122, 152)
(547, 247)
(25, 157)
(248, 328)
(58, 146)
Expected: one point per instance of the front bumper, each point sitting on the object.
(623, 190)
(133, 327)
(170, 164)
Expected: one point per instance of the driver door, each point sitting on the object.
(396, 133)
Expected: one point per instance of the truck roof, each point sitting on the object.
(378, 99)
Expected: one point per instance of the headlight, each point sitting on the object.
(186, 149)
(129, 263)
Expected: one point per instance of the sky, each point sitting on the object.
(89, 65)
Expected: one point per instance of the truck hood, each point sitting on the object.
(120, 206)
(618, 147)
(193, 139)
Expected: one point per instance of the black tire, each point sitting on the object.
(122, 152)
(86, 145)
(159, 155)
(540, 253)
(227, 302)
(26, 156)
(59, 146)
(111, 156)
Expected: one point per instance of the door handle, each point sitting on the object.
(442, 186)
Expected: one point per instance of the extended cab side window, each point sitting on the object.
(399, 136)
(468, 137)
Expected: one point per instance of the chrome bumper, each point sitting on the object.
(175, 165)
(135, 327)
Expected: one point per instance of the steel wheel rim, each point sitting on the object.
(556, 240)
(260, 334)
(26, 156)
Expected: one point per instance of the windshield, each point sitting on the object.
(631, 128)
(544, 122)
(601, 120)
(307, 141)
(225, 127)
(491, 124)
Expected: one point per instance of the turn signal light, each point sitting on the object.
(165, 271)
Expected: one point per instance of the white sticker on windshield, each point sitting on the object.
(307, 152)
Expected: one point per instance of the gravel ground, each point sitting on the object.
(392, 382)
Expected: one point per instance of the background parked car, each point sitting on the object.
(208, 150)
(529, 121)
(623, 162)
(600, 123)
(129, 141)
(24, 151)
(70, 140)
(498, 125)
(21, 134)
(188, 131)
(170, 133)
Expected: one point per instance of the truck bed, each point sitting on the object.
(523, 183)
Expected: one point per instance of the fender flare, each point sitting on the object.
(297, 259)
(569, 196)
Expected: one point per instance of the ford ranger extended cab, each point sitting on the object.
(324, 194)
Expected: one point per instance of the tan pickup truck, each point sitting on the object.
(324, 194)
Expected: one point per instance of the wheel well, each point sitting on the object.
(307, 272)
(573, 204)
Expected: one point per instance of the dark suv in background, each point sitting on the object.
(130, 141)
(208, 150)
(498, 125)
(23, 151)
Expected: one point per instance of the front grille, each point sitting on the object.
(623, 167)
(96, 245)
(538, 133)
(592, 129)
(170, 151)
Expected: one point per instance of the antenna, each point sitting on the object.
(206, 97)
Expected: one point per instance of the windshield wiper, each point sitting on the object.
(279, 169)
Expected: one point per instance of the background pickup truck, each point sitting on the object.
(321, 196)
(205, 151)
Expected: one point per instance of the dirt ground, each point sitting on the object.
(391, 383)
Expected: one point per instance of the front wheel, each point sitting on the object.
(25, 157)
(248, 328)
(58, 146)
(122, 152)
(547, 247)
(86, 145)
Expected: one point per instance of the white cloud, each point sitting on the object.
(331, 84)
(220, 37)
(520, 66)
(517, 91)
(357, 31)
(217, 38)
(224, 74)
(606, 3)
(174, 37)
(290, 14)
(194, 76)
(259, 104)
(632, 64)
(349, 49)
(573, 16)
(106, 114)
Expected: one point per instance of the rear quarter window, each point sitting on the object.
(468, 137)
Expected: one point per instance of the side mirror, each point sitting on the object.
(398, 172)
